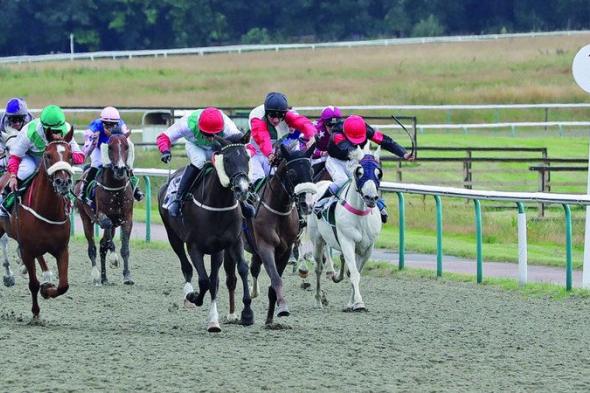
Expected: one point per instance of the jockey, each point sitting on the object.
(28, 149)
(199, 129)
(12, 121)
(346, 137)
(269, 122)
(329, 117)
(99, 132)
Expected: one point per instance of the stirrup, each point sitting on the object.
(138, 195)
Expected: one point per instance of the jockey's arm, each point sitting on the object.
(19, 149)
(386, 142)
(301, 123)
(78, 155)
(179, 129)
(90, 142)
(229, 127)
(339, 147)
(261, 136)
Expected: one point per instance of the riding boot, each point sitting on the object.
(382, 210)
(188, 177)
(137, 193)
(332, 190)
(84, 195)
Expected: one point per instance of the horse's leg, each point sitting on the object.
(199, 264)
(216, 261)
(236, 254)
(48, 289)
(89, 235)
(319, 250)
(348, 253)
(8, 275)
(29, 262)
(329, 262)
(105, 246)
(229, 266)
(125, 234)
(112, 255)
(185, 265)
(255, 265)
(275, 291)
(45, 272)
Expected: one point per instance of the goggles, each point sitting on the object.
(276, 114)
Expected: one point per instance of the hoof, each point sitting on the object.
(359, 307)
(247, 318)
(303, 273)
(305, 285)
(330, 275)
(113, 258)
(194, 298)
(189, 305)
(213, 327)
(276, 326)
(231, 319)
(9, 281)
(283, 311)
(44, 288)
(127, 280)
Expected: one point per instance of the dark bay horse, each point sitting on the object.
(114, 208)
(211, 223)
(44, 212)
(276, 224)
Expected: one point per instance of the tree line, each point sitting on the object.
(44, 26)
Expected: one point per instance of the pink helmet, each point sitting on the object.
(211, 121)
(355, 129)
(329, 113)
(110, 114)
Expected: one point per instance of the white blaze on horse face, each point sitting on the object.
(369, 189)
(60, 150)
(120, 163)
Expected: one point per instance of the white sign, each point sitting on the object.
(581, 68)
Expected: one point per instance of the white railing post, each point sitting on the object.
(586, 266)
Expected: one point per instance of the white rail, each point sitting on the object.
(275, 47)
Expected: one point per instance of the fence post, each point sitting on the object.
(467, 178)
(522, 245)
(399, 171)
(148, 208)
(568, 248)
(72, 222)
(402, 245)
(439, 229)
(542, 186)
(478, 237)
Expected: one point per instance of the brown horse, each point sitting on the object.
(276, 224)
(44, 211)
(114, 208)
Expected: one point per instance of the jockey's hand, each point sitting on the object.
(271, 158)
(166, 157)
(94, 137)
(409, 156)
(12, 183)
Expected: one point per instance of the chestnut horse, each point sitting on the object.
(114, 208)
(44, 212)
(276, 225)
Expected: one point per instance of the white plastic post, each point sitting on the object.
(522, 249)
(586, 266)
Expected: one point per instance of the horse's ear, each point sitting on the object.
(220, 140)
(69, 135)
(367, 148)
(377, 154)
(246, 137)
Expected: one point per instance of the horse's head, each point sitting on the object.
(367, 177)
(232, 164)
(297, 176)
(118, 154)
(57, 161)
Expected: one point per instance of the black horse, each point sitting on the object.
(276, 225)
(211, 223)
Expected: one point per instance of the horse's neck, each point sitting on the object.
(275, 194)
(41, 197)
(210, 191)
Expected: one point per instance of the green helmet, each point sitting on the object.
(53, 117)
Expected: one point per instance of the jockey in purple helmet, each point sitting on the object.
(99, 131)
(12, 121)
(329, 117)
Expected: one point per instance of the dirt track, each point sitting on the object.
(424, 336)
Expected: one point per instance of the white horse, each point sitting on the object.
(354, 230)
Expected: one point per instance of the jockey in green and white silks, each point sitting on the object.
(28, 149)
(198, 129)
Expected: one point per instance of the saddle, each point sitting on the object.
(172, 188)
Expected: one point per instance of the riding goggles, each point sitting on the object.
(276, 114)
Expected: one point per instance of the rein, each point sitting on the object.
(113, 188)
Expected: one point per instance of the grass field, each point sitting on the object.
(524, 70)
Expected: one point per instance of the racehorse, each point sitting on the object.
(113, 208)
(276, 224)
(211, 223)
(350, 225)
(44, 212)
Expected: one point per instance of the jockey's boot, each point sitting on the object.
(188, 177)
(137, 193)
(382, 210)
(332, 190)
(83, 195)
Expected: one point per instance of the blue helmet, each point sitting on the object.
(276, 102)
(16, 107)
